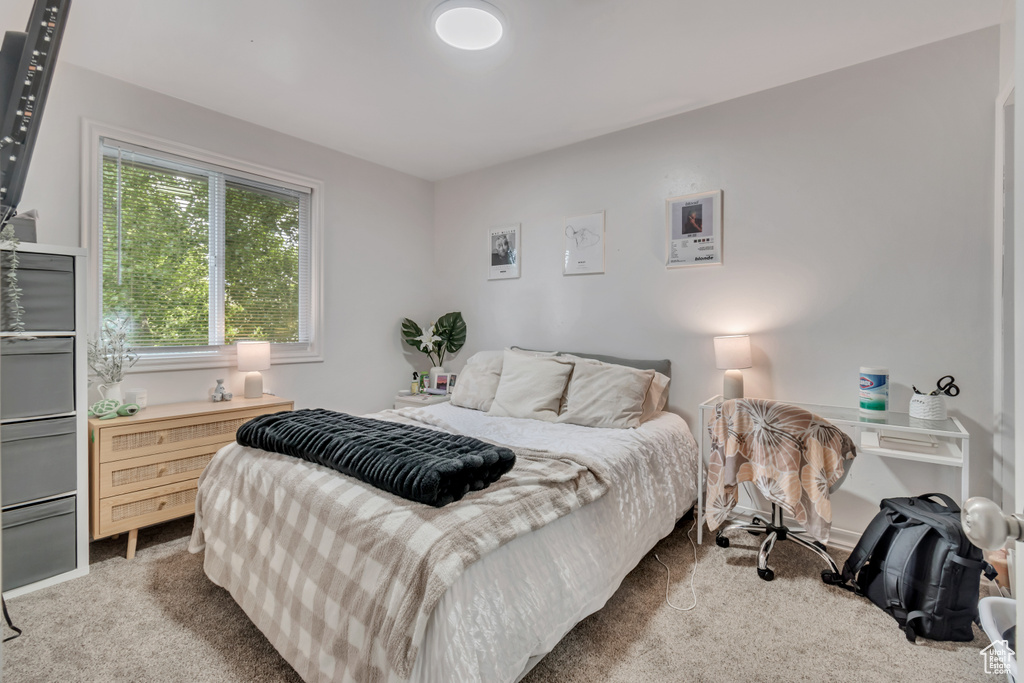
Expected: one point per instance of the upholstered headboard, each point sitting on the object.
(663, 366)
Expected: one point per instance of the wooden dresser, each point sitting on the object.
(144, 469)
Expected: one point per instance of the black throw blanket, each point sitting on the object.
(416, 463)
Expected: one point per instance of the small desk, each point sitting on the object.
(951, 437)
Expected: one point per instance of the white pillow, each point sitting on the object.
(606, 395)
(531, 386)
(657, 397)
(478, 381)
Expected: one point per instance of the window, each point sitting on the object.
(200, 255)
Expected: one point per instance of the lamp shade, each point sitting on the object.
(253, 355)
(732, 352)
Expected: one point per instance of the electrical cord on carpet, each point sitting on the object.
(7, 617)
(693, 574)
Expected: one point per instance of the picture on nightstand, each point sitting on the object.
(441, 383)
(451, 382)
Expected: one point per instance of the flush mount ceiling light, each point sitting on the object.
(469, 24)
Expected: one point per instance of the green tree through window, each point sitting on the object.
(198, 256)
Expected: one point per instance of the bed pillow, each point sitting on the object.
(530, 386)
(606, 395)
(657, 397)
(478, 381)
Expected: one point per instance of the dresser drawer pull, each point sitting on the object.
(162, 504)
(161, 470)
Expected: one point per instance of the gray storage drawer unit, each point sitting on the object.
(38, 377)
(38, 542)
(37, 459)
(47, 283)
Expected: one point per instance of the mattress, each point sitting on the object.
(511, 607)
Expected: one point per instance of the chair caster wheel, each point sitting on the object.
(721, 541)
(766, 574)
(831, 578)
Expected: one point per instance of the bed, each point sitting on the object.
(500, 614)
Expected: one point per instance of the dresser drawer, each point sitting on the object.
(148, 438)
(142, 508)
(136, 474)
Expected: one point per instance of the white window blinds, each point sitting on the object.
(201, 256)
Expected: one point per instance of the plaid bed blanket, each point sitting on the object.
(342, 577)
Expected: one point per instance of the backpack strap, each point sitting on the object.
(866, 545)
(900, 555)
(946, 500)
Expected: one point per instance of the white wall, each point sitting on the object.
(377, 244)
(857, 230)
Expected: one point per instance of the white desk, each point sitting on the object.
(951, 438)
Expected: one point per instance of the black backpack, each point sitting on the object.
(915, 562)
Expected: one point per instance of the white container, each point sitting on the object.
(874, 390)
(928, 407)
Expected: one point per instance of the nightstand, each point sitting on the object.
(145, 468)
(419, 400)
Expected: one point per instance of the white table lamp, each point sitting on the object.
(253, 356)
(732, 353)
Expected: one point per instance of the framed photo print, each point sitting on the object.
(442, 383)
(503, 247)
(584, 244)
(693, 227)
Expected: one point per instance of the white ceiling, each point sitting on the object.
(369, 77)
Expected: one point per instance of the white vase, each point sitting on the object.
(434, 372)
(112, 392)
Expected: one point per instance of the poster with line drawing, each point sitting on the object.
(584, 244)
(693, 224)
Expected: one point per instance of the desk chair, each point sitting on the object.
(793, 457)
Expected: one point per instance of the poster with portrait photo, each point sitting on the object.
(584, 244)
(504, 246)
(693, 226)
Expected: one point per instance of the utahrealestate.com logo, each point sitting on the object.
(997, 657)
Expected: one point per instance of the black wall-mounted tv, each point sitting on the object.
(27, 60)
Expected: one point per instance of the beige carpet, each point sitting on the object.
(157, 618)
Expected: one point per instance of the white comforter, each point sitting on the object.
(511, 607)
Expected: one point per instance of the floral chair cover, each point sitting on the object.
(791, 455)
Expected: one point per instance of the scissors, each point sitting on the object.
(949, 388)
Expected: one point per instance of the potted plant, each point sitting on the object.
(110, 355)
(446, 335)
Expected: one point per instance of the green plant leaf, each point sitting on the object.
(452, 330)
(411, 332)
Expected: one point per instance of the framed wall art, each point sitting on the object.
(504, 246)
(693, 230)
(584, 244)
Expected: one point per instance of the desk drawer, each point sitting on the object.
(142, 508)
(149, 438)
(136, 474)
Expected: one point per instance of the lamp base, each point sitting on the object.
(732, 387)
(254, 385)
